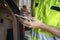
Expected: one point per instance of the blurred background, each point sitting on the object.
(10, 28)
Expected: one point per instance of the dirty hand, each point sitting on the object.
(34, 23)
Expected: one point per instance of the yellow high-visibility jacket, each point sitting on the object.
(42, 10)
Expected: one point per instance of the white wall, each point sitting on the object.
(24, 2)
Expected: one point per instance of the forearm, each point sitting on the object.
(51, 29)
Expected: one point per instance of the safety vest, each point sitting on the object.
(42, 10)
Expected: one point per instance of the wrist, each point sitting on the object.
(42, 26)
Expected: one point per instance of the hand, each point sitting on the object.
(34, 23)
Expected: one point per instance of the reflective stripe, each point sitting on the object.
(36, 36)
(41, 32)
(57, 38)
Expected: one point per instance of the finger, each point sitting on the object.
(23, 21)
(26, 22)
(27, 25)
(31, 18)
